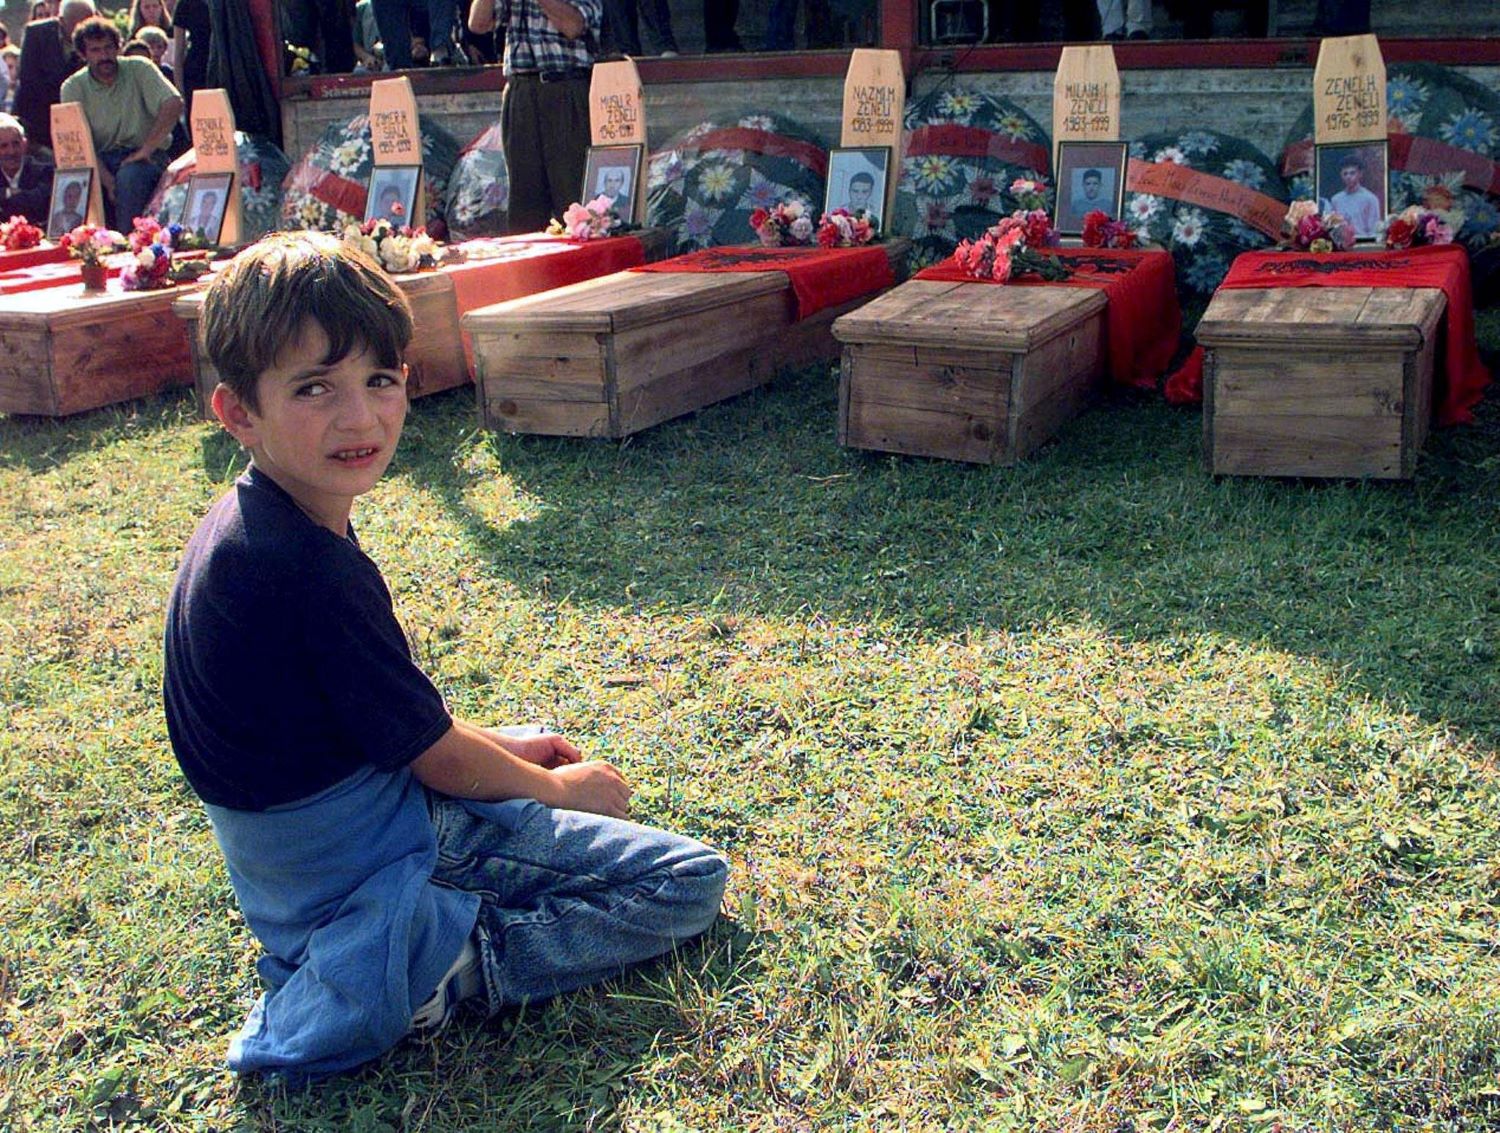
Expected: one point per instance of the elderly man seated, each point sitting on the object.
(25, 183)
(131, 109)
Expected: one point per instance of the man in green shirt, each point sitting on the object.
(131, 109)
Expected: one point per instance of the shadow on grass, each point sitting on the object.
(562, 1064)
(40, 444)
(751, 507)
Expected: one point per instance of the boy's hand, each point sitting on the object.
(596, 787)
(547, 750)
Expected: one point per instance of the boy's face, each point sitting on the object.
(325, 434)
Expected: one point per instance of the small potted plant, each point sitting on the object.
(90, 243)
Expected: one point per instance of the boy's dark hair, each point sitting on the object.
(137, 47)
(1093, 175)
(862, 179)
(260, 301)
(1352, 161)
(96, 28)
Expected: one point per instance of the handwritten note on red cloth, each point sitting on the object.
(1142, 320)
(30, 257)
(524, 265)
(821, 277)
(1461, 377)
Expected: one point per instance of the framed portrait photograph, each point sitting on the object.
(857, 178)
(392, 194)
(1090, 177)
(1352, 180)
(207, 202)
(69, 206)
(613, 172)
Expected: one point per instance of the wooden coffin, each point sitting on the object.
(435, 356)
(968, 371)
(63, 351)
(1318, 381)
(618, 354)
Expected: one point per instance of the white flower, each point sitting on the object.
(1143, 206)
(757, 122)
(1172, 154)
(716, 182)
(1188, 227)
(802, 228)
(348, 157)
(145, 257)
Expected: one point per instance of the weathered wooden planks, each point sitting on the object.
(614, 355)
(63, 351)
(1318, 381)
(968, 371)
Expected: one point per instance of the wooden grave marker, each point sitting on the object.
(617, 117)
(396, 134)
(215, 151)
(1349, 91)
(73, 148)
(1085, 97)
(875, 110)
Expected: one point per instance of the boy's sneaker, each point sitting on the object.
(462, 981)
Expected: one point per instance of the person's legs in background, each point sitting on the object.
(657, 16)
(394, 21)
(621, 33)
(719, 17)
(442, 41)
(135, 181)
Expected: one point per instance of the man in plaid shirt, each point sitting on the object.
(544, 113)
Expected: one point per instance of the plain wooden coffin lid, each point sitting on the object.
(1299, 318)
(969, 316)
(66, 307)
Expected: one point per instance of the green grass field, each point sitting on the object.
(1092, 794)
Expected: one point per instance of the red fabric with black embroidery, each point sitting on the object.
(821, 277)
(1142, 320)
(1460, 378)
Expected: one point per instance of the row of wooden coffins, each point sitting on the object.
(1312, 364)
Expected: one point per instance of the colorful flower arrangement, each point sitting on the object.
(1010, 249)
(1415, 226)
(395, 249)
(1312, 231)
(91, 243)
(844, 229)
(150, 267)
(1099, 231)
(590, 221)
(18, 233)
(784, 224)
(1030, 193)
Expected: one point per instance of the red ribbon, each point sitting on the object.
(820, 277)
(975, 141)
(1412, 154)
(814, 157)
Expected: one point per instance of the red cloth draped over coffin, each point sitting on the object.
(1142, 320)
(1460, 378)
(30, 257)
(514, 266)
(820, 277)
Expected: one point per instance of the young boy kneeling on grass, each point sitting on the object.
(391, 860)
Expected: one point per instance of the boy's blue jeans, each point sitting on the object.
(569, 898)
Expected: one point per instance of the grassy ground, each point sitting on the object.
(1092, 794)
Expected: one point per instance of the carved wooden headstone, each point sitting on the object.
(215, 151)
(73, 148)
(617, 117)
(875, 108)
(396, 134)
(1085, 97)
(1349, 91)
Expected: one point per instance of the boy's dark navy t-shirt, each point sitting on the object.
(286, 670)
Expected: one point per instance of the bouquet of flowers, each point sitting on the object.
(1029, 194)
(1009, 249)
(91, 243)
(150, 268)
(784, 224)
(844, 229)
(1312, 231)
(395, 249)
(589, 221)
(1101, 232)
(1416, 226)
(17, 233)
